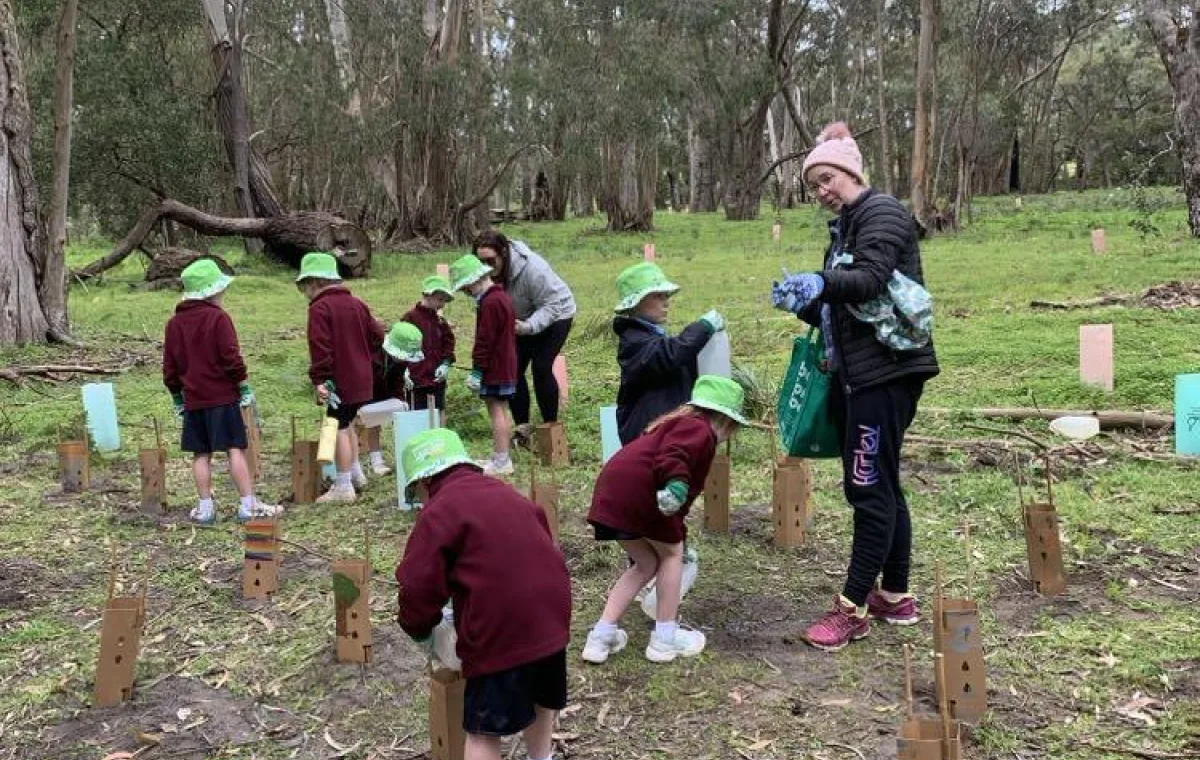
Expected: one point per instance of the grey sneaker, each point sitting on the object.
(203, 516)
(338, 494)
(687, 643)
(259, 511)
(599, 646)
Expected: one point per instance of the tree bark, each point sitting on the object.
(701, 175)
(630, 171)
(54, 280)
(1177, 41)
(743, 191)
(885, 153)
(339, 36)
(919, 177)
(22, 236)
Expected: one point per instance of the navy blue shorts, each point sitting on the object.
(605, 533)
(421, 397)
(218, 428)
(502, 704)
(503, 391)
(344, 414)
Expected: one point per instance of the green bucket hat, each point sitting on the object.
(639, 281)
(318, 266)
(468, 270)
(403, 342)
(203, 279)
(432, 451)
(719, 394)
(437, 284)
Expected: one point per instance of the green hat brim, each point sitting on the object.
(332, 276)
(730, 413)
(632, 300)
(442, 466)
(443, 291)
(472, 278)
(219, 286)
(400, 355)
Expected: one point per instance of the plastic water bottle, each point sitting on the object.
(715, 359)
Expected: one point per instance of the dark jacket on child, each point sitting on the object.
(201, 356)
(344, 344)
(437, 344)
(626, 493)
(481, 544)
(657, 371)
(495, 351)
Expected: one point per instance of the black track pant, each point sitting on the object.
(872, 423)
(539, 350)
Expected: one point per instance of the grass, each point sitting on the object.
(262, 675)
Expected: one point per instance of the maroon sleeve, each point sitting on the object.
(683, 443)
(486, 334)
(170, 366)
(376, 329)
(423, 573)
(447, 340)
(229, 351)
(320, 345)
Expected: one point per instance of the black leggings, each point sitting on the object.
(540, 350)
(873, 422)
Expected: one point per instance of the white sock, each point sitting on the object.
(605, 629)
(547, 757)
(501, 458)
(893, 596)
(665, 631)
(343, 480)
(377, 458)
(357, 469)
(206, 504)
(248, 502)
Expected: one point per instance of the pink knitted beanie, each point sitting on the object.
(835, 147)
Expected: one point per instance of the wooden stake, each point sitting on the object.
(1020, 478)
(970, 563)
(112, 569)
(944, 708)
(908, 687)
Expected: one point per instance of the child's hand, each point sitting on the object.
(177, 397)
(672, 497)
(245, 395)
(442, 372)
(475, 381)
(714, 320)
(523, 328)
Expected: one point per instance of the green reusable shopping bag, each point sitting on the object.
(805, 426)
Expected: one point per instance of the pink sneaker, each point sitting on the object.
(903, 612)
(838, 628)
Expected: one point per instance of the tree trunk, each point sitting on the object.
(253, 191)
(743, 192)
(885, 153)
(54, 280)
(339, 36)
(22, 237)
(701, 176)
(1179, 47)
(919, 177)
(630, 170)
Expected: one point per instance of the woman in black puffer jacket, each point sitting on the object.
(875, 389)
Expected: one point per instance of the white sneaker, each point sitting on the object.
(381, 469)
(491, 467)
(203, 516)
(259, 511)
(358, 479)
(337, 493)
(599, 646)
(687, 643)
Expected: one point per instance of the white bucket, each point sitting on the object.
(1076, 428)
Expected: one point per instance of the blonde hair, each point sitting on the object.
(686, 410)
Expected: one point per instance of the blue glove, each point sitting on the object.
(245, 395)
(475, 380)
(797, 291)
(714, 320)
(672, 496)
(442, 372)
(177, 397)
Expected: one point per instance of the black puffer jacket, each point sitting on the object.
(657, 372)
(881, 235)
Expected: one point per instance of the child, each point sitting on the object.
(204, 371)
(343, 339)
(488, 549)
(494, 357)
(657, 371)
(429, 375)
(641, 499)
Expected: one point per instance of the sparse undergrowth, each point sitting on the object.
(1114, 662)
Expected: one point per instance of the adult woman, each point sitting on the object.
(876, 387)
(545, 310)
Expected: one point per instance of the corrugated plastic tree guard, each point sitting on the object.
(404, 426)
(1043, 545)
(610, 438)
(100, 405)
(717, 489)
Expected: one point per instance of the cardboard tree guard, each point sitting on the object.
(1043, 545)
(153, 469)
(120, 639)
(717, 489)
(354, 642)
(545, 495)
(447, 739)
(551, 440)
(260, 574)
(73, 467)
(791, 501)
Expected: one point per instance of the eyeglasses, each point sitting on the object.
(824, 180)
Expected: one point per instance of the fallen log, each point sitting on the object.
(49, 371)
(288, 237)
(1109, 420)
(1087, 303)
(168, 263)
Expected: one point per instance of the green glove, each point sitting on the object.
(442, 372)
(177, 397)
(714, 320)
(475, 380)
(245, 395)
(672, 496)
(334, 399)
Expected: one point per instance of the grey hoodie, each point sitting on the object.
(539, 296)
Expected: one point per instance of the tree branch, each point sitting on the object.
(802, 153)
